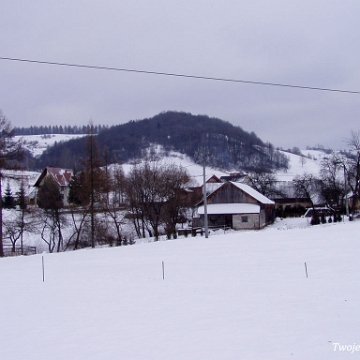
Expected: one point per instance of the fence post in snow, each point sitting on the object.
(306, 270)
(43, 268)
(163, 270)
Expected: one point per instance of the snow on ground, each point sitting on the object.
(239, 295)
(298, 167)
(14, 178)
(37, 144)
(194, 170)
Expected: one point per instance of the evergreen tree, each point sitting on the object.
(21, 197)
(22, 224)
(79, 192)
(8, 201)
(94, 174)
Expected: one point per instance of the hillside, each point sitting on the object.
(199, 137)
(37, 144)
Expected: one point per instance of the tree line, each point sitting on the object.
(338, 184)
(55, 129)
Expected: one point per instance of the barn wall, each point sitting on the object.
(252, 222)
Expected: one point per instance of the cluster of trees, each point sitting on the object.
(157, 197)
(10, 153)
(339, 177)
(226, 152)
(152, 197)
(19, 223)
(55, 129)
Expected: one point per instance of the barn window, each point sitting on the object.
(244, 219)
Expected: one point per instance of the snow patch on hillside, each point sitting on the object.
(310, 163)
(37, 144)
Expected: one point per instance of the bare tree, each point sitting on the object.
(149, 194)
(11, 232)
(266, 183)
(302, 160)
(10, 152)
(112, 201)
(50, 201)
(79, 222)
(307, 186)
(154, 195)
(332, 180)
(177, 200)
(135, 195)
(119, 184)
(353, 167)
(15, 227)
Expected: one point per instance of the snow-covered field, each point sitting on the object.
(240, 295)
(37, 144)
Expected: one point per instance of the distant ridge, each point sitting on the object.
(200, 137)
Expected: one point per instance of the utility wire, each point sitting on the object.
(250, 82)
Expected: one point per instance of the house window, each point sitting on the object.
(244, 219)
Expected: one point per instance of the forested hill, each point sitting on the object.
(200, 137)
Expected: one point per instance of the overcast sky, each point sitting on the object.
(312, 43)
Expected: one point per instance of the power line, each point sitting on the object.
(249, 82)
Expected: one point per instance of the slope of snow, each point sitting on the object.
(194, 170)
(241, 295)
(37, 144)
(310, 165)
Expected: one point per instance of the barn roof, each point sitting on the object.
(253, 193)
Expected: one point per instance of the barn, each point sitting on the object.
(238, 206)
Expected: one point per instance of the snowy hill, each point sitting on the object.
(310, 163)
(241, 295)
(37, 144)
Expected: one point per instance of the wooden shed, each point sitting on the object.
(238, 206)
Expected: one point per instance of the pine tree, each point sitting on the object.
(79, 192)
(21, 197)
(9, 201)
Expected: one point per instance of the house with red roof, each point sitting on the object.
(61, 177)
